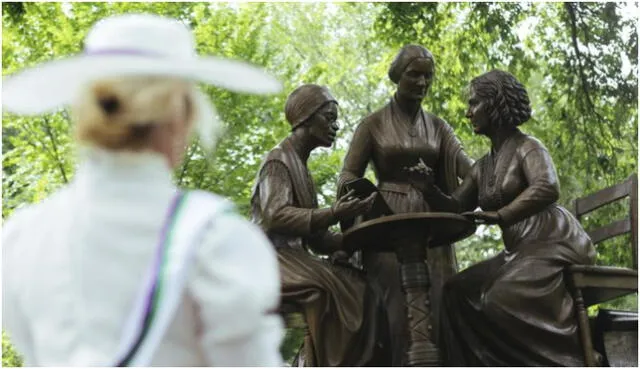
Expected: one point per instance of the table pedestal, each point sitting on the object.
(409, 235)
(414, 273)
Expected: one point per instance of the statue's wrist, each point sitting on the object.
(334, 217)
(321, 219)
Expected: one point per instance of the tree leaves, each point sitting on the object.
(10, 358)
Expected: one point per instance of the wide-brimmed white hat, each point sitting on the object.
(131, 45)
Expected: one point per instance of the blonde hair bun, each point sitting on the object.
(121, 113)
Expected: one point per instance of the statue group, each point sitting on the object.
(406, 304)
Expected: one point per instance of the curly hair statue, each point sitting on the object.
(507, 98)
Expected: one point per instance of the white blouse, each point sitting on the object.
(72, 266)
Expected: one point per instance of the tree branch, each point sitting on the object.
(571, 10)
(574, 40)
(56, 152)
(186, 163)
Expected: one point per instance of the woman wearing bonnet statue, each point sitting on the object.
(343, 312)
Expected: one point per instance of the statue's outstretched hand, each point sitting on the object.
(349, 206)
(421, 176)
(484, 217)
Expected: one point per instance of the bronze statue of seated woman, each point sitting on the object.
(343, 312)
(512, 309)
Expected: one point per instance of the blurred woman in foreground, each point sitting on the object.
(120, 267)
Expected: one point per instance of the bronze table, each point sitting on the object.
(407, 235)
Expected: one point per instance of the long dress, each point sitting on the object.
(514, 309)
(343, 313)
(390, 143)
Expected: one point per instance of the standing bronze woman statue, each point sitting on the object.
(397, 136)
(513, 309)
(341, 310)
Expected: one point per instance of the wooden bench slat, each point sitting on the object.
(611, 230)
(602, 197)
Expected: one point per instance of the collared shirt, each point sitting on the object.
(73, 264)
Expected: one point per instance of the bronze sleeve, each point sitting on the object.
(543, 189)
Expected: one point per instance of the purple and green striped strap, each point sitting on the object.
(155, 292)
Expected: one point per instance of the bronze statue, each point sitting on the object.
(393, 139)
(513, 309)
(342, 311)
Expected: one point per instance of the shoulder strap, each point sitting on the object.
(162, 290)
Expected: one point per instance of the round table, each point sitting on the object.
(409, 235)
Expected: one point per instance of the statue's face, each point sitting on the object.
(416, 79)
(323, 125)
(478, 113)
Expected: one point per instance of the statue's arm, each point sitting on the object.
(464, 198)
(463, 163)
(277, 200)
(543, 189)
(452, 144)
(466, 195)
(357, 158)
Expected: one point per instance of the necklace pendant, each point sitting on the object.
(413, 132)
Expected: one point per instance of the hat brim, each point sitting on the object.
(49, 86)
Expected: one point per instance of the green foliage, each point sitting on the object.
(291, 343)
(578, 61)
(10, 358)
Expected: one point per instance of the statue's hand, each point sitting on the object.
(348, 206)
(421, 176)
(484, 217)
